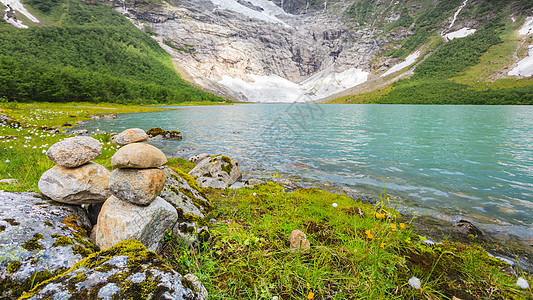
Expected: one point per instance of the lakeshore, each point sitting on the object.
(356, 245)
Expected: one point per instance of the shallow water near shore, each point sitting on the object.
(453, 162)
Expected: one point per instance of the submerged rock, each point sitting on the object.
(125, 271)
(138, 186)
(138, 156)
(74, 151)
(38, 239)
(218, 171)
(128, 136)
(86, 184)
(160, 134)
(120, 221)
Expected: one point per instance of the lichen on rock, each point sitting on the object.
(124, 271)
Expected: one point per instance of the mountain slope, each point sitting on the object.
(86, 53)
(307, 50)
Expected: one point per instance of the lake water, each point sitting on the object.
(453, 162)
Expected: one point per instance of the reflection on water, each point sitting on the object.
(462, 160)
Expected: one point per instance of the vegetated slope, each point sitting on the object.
(87, 52)
(444, 77)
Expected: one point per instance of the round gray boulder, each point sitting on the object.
(128, 136)
(75, 151)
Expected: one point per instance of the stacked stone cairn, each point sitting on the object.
(75, 179)
(134, 210)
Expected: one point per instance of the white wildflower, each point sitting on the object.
(521, 282)
(334, 205)
(415, 283)
(7, 161)
(44, 151)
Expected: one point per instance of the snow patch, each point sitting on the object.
(461, 33)
(409, 60)
(17, 6)
(527, 28)
(273, 88)
(525, 66)
(269, 12)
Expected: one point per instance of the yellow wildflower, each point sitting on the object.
(368, 234)
(379, 216)
(393, 226)
(311, 295)
(383, 245)
(402, 225)
(308, 286)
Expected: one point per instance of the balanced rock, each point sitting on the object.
(74, 151)
(125, 271)
(38, 240)
(128, 136)
(138, 156)
(138, 186)
(216, 172)
(86, 184)
(299, 242)
(120, 221)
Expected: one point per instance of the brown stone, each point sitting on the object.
(138, 186)
(138, 156)
(299, 242)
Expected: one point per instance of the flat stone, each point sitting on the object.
(299, 242)
(128, 136)
(120, 221)
(125, 271)
(138, 156)
(38, 239)
(74, 151)
(138, 186)
(86, 184)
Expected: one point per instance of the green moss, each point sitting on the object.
(12, 222)
(195, 219)
(156, 132)
(13, 267)
(62, 241)
(34, 261)
(80, 233)
(79, 249)
(33, 244)
(17, 289)
(226, 166)
(49, 224)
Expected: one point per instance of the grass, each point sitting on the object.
(352, 256)
(23, 153)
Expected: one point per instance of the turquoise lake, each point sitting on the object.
(452, 162)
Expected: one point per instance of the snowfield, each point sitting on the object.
(527, 28)
(461, 33)
(268, 14)
(275, 89)
(409, 60)
(525, 66)
(17, 6)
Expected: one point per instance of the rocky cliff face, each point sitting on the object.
(279, 50)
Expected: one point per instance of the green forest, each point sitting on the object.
(87, 52)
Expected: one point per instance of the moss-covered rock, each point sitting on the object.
(160, 134)
(124, 271)
(38, 240)
(218, 171)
